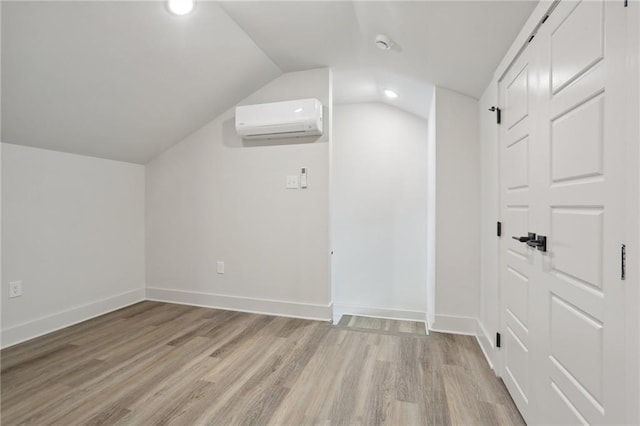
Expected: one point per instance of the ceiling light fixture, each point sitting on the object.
(383, 42)
(390, 94)
(180, 7)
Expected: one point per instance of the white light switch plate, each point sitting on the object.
(15, 289)
(292, 182)
(220, 268)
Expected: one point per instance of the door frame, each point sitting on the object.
(632, 223)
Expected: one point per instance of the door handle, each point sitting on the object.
(540, 243)
(526, 239)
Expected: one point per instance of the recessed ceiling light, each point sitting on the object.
(180, 7)
(390, 94)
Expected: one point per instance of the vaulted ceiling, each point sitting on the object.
(127, 80)
(454, 44)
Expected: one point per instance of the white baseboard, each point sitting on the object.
(38, 327)
(486, 343)
(242, 304)
(455, 325)
(340, 309)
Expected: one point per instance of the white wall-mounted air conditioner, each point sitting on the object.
(289, 119)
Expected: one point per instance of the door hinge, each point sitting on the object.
(498, 340)
(531, 38)
(623, 262)
(499, 229)
(498, 113)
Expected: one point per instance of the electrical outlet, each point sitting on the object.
(15, 289)
(220, 269)
(292, 182)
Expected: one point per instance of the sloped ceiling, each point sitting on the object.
(454, 44)
(127, 80)
(120, 80)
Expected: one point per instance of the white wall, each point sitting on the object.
(458, 212)
(73, 233)
(431, 213)
(214, 197)
(489, 317)
(379, 211)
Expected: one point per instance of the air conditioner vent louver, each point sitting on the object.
(276, 120)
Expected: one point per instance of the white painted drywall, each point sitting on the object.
(213, 197)
(73, 233)
(379, 211)
(457, 211)
(489, 318)
(431, 213)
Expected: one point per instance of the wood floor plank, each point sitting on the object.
(407, 370)
(381, 395)
(155, 363)
(133, 388)
(109, 415)
(310, 390)
(346, 393)
(174, 396)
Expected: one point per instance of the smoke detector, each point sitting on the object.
(383, 42)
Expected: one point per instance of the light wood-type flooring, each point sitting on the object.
(157, 363)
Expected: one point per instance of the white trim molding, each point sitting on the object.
(543, 8)
(280, 308)
(370, 311)
(486, 344)
(455, 324)
(38, 327)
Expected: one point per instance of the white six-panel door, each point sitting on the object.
(562, 165)
(517, 258)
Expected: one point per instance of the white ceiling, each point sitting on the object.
(362, 84)
(126, 80)
(454, 44)
(120, 80)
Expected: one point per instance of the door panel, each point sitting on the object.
(516, 257)
(580, 192)
(517, 100)
(566, 412)
(562, 311)
(576, 236)
(567, 394)
(577, 42)
(579, 130)
(517, 163)
(516, 365)
(517, 292)
(576, 344)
